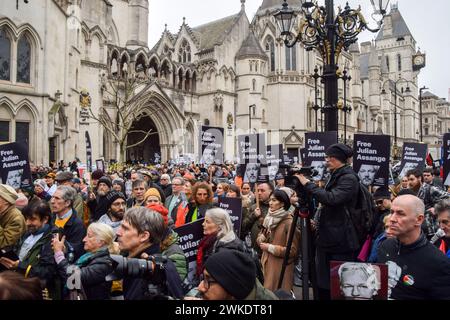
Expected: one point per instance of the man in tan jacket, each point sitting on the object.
(12, 222)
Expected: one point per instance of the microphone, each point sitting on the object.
(439, 234)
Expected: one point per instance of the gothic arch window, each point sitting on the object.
(153, 68)
(23, 59)
(187, 81)
(180, 79)
(140, 64)
(184, 52)
(254, 84)
(165, 70)
(256, 66)
(263, 94)
(387, 63)
(194, 82)
(114, 62)
(124, 65)
(270, 49)
(5, 56)
(399, 62)
(291, 58)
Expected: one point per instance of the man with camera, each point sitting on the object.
(336, 199)
(139, 236)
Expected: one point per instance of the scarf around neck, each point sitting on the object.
(273, 218)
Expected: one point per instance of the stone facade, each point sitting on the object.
(209, 74)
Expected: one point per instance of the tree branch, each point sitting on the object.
(145, 138)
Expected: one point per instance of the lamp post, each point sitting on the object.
(319, 28)
(250, 107)
(395, 83)
(316, 107)
(420, 112)
(346, 109)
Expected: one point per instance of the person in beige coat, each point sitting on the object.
(12, 222)
(273, 239)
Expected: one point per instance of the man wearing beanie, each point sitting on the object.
(382, 198)
(231, 275)
(116, 204)
(337, 199)
(12, 222)
(99, 205)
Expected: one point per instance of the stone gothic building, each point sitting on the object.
(227, 73)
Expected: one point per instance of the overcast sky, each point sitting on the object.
(425, 19)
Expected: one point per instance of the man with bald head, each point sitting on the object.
(425, 271)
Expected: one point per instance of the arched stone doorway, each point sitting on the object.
(150, 149)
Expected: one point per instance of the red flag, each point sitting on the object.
(429, 160)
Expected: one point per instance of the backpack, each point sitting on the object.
(254, 256)
(363, 215)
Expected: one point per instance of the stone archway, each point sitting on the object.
(161, 115)
(148, 150)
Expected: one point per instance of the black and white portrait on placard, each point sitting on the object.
(320, 167)
(408, 166)
(251, 172)
(15, 178)
(367, 173)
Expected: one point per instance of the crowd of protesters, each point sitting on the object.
(71, 221)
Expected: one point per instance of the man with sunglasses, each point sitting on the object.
(382, 198)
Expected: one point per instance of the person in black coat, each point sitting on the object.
(65, 220)
(139, 236)
(339, 196)
(417, 269)
(94, 265)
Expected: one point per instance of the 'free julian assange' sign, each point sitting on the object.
(371, 159)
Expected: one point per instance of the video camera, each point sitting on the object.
(291, 181)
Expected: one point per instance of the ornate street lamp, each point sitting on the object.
(319, 28)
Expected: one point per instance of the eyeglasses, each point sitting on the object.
(379, 202)
(206, 281)
(177, 184)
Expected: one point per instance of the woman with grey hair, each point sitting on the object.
(218, 234)
(94, 265)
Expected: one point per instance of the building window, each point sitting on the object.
(4, 131)
(254, 84)
(426, 131)
(399, 62)
(22, 133)
(184, 53)
(23, 60)
(387, 63)
(5, 56)
(426, 120)
(270, 49)
(291, 58)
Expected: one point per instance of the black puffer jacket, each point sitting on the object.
(340, 191)
(93, 273)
